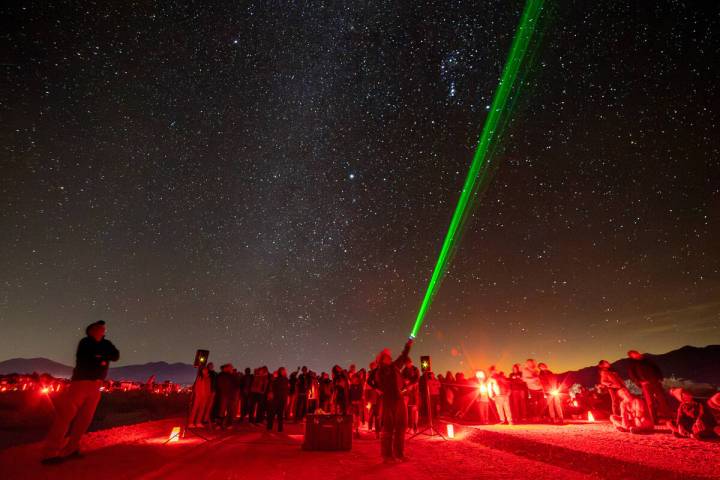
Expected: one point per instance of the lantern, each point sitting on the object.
(174, 435)
(591, 417)
(450, 430)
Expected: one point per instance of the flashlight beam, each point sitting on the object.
(479, 170)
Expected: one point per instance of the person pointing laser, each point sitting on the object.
(389, 380)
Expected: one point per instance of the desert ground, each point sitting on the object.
(573, 451)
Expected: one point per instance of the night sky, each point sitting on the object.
(273, 180)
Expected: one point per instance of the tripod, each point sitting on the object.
(186, 428)
(430, 429)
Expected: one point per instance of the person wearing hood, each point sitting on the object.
(389, 380)
(77, 407)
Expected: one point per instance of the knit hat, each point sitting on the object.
(99, 323)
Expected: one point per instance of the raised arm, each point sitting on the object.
(400, 361)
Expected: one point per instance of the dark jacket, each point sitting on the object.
(643, 370)
(93, 359)
(517, 384)
(227, 384)
(389, 380)
(280, 389)
(326, 389)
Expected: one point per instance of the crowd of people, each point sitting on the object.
(390, 397)
(631, 413)
(530, 393)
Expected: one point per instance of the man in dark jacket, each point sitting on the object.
(277, 397)
(228, 391)
(247, 381)
(389, 380)
(93, 357)
(646, 375)
(301, 386)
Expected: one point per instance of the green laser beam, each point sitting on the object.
(479, 169)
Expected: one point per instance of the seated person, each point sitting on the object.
(633, 416)
(691, 420)
(713, 413)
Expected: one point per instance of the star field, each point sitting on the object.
(274, 182)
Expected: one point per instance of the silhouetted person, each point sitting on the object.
(518, 394)
(531, 377)
(212, 405)
(648, 377)
(302, 386)
(691, 421)
(228, 392)
(277, 398)
(553, 393)
(77, 407)
(411, 377)
(374, 399)
(713, 408)
(341, 387)
(245, 387)
(499, 388)
(201, 395)
(388, 379)
(258, 394)
(611, 380)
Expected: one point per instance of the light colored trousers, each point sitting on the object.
(502, 404)
(76, 406)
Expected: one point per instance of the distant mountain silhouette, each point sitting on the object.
(39, 365)
(175, 372)
(699, 364)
